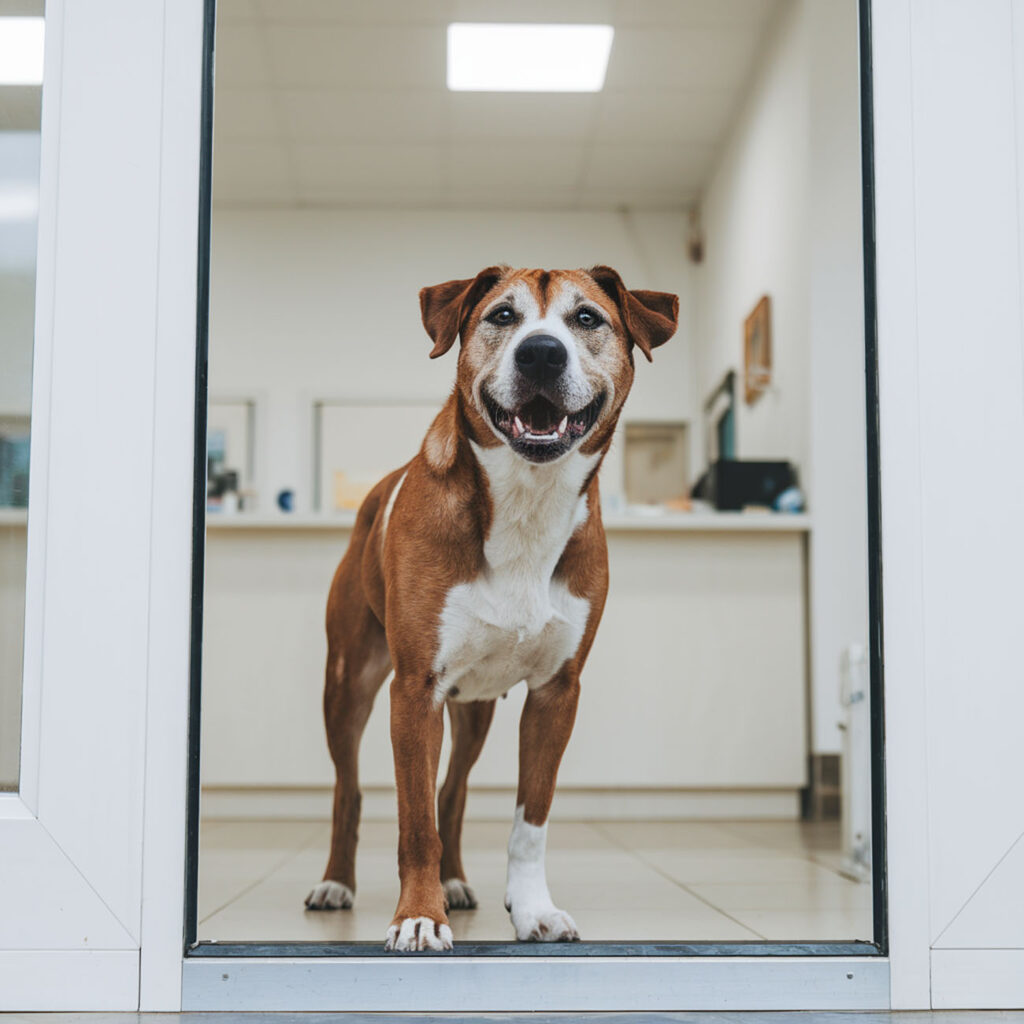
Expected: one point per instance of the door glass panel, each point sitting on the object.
(21, 45)
(717, 784)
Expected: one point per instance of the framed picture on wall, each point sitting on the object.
(757, 351)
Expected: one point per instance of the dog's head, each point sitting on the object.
(546, 359)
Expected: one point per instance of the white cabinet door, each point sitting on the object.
(106, 634)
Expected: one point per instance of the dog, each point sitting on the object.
(480, 564)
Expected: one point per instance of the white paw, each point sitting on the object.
(459, 895)
(543, 923)
(330, 895)
(417, 933)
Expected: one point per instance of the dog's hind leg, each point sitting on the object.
(356, 667)
(470, 722)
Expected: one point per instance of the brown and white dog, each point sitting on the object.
(480, 564)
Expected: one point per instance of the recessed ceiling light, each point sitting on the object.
(21, 51)
(527, 58)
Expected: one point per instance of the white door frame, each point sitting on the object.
(92, 847)
(107, 597)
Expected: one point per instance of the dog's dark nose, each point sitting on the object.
(541, 357)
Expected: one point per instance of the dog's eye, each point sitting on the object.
(588, 318)
(502, 316)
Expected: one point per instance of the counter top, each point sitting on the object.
(614, 522)
(665, 522)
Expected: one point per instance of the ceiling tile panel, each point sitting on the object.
(547, 11)
(667, 168)
(696, 13)
(522, 196)
(362, 116)
(535, 166)
(405, 197)
(703, 59)
(497, 115)
(358, 56)
(343, 12)
(360, 166)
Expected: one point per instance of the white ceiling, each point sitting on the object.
(343, 103)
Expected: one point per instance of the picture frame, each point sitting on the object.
(757, 351)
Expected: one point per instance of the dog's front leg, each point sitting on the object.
(544, 730)
(417, 727)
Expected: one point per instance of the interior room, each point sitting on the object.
(717, 784)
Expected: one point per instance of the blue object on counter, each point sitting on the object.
(285, 500)
(790, 500)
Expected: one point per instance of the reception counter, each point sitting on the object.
(694, 698)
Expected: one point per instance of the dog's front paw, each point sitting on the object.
(542, 922)
(330, 895)
(458, 895)
(413, 934)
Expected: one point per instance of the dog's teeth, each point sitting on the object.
(563, 425)
(517, 427)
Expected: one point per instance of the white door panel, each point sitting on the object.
(115, 302)
(972, 407)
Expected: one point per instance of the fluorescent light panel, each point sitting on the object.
(527, 58)
(21, 51)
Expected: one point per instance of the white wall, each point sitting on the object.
(754, 214)
(310, 304)
(836, 472)
(781, 217)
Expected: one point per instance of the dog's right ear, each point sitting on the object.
(446, 307)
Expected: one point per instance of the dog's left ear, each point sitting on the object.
(445, 307)
(650, 318)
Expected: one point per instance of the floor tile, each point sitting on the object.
(688, 868)
(808, 925)
(624, 881)
(831, 894)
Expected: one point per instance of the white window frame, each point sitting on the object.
(92, 847)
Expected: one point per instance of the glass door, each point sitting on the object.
(352, 165)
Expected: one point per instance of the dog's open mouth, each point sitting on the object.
(539, 429)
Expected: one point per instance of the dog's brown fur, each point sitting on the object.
(387, 593)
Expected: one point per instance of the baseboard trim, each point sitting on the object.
(977, 979)
(69, 980)
(498, 803)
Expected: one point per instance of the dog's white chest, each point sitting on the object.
(514, 622)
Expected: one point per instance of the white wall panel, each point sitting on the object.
(970, 359)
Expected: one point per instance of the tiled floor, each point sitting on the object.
(624, 881)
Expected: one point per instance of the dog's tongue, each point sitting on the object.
(539, 416)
